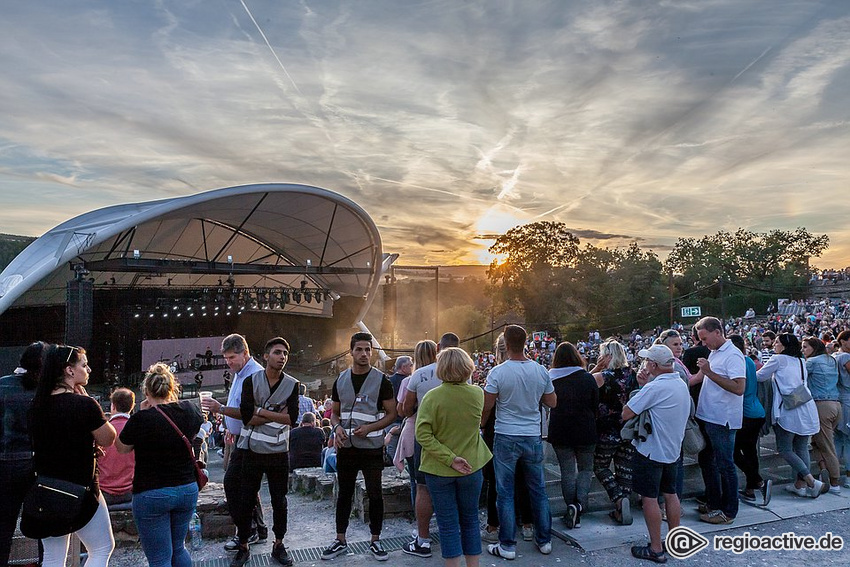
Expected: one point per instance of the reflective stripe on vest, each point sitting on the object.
(271, 437)
(361, 408)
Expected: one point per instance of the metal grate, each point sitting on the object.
(314, 553)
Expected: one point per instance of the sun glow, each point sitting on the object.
(497, 220)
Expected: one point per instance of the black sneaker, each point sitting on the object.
(233, 544)
(572, 514)
(413, 548)
(243, 555)
(377, 549)
(334, 549)
(280, 554)
(742, 494)
(262, 535)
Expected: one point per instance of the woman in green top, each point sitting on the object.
(453, 454)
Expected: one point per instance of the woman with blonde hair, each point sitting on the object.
(424, 353)
(616, 381)
(453, 455)
(165, 490)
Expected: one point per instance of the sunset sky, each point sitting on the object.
(448, 121)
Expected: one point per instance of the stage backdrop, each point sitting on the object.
(188, 358)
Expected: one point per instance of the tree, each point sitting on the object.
(532, 276)
(756, 262)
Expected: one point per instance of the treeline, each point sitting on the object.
(561, 286)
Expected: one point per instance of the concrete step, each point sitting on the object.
(772, 466)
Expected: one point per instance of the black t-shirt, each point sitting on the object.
(62, 437)
(162, 458)
(305, 447)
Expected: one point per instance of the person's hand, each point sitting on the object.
(601, 363)
(228, 438)
(340, 438)
(211, 404)
(80, 389)
(362, 431)
(461, 465)
(704, 365)
(643, 377)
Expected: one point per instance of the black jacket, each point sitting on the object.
(573, 420)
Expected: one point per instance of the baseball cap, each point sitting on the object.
(660, 354)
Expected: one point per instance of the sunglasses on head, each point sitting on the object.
(71, 351)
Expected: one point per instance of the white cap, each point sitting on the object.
(660, 354)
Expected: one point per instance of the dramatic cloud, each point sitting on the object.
(449, 122)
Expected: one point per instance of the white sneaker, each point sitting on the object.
(817, 489)
(497, 550)
(796, 491)
(846, 482)
(835, 490)
(545, 548)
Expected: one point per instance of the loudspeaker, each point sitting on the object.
(79, 313)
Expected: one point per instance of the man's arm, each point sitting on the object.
(287, 416)
(735, 385)
(549, 400)
(408, 406)
(628, 413)
(489, 403)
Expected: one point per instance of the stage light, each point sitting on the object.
(285, 296)
(308, 297)
(318, 296)
(136, 316)
(150, 315)
(296, 296)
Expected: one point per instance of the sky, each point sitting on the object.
(448, 121)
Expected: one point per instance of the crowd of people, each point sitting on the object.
(623, 409)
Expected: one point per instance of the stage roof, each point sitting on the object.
(251, 236)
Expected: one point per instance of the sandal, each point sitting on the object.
(645, 552)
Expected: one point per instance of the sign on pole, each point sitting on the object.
(694, 311)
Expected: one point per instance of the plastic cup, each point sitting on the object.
(202, 395)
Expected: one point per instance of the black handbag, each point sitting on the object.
(54, 501)
(54, 507)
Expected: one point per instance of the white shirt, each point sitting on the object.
(233, 425)
(669, 404)
(787, 375)
(716, 405)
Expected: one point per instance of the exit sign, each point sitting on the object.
(691, 312)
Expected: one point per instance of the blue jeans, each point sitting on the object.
(162, 517)
(509, 452)
(719, 474)
(455, 500)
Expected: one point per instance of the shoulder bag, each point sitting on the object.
(799, 396)
(53, 507)
(201, 475)
(694, 441)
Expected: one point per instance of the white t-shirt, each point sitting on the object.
(669, 404)
(519, 386)
(423, 380)
(716, 405)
